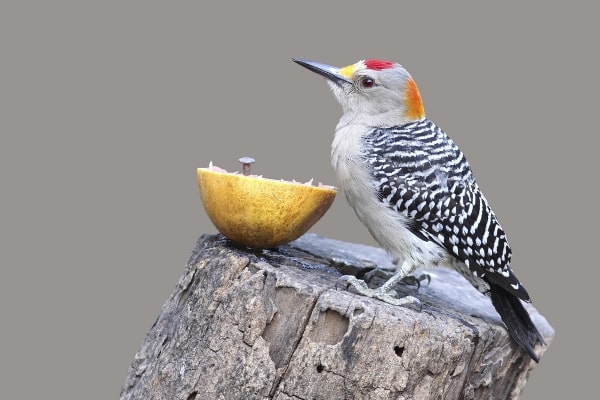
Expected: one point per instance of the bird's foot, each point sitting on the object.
(416, 280)
(383, 293)
(408, 279)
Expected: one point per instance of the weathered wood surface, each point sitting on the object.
(273, 325)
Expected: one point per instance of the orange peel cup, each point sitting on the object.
(259, 212)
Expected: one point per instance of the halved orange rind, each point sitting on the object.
(259, 212)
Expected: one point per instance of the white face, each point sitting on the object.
(371, 93)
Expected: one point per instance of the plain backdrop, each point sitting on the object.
(107, 109)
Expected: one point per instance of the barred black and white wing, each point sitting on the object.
(420, 173)
(423, 175)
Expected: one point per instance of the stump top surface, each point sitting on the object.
(275, 324)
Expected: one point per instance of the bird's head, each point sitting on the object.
(374, 91)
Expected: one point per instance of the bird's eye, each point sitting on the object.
(367, 82)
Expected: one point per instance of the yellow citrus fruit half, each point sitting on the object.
(258, 212)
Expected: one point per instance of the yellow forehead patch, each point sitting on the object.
(347, 71)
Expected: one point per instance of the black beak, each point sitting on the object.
(329, 72)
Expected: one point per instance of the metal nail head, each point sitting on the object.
(246, 163)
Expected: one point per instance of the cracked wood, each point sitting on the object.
(273, 325)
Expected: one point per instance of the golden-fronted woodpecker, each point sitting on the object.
(414, 190)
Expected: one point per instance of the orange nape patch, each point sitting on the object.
(414, 104)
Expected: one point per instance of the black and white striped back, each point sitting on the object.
(419, 172)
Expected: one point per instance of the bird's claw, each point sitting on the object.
(361, 287)
(409, 279)
(416, 280)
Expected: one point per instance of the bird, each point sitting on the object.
(414, 190)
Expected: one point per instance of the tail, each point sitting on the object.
(517, 320)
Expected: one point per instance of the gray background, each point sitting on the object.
(108, 109)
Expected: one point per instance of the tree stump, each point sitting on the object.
(272, 324)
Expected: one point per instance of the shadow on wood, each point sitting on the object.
(272, 325)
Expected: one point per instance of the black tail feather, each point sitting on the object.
(517, 320)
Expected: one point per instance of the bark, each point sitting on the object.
(272, 324)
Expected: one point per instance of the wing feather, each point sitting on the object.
(427, 179)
